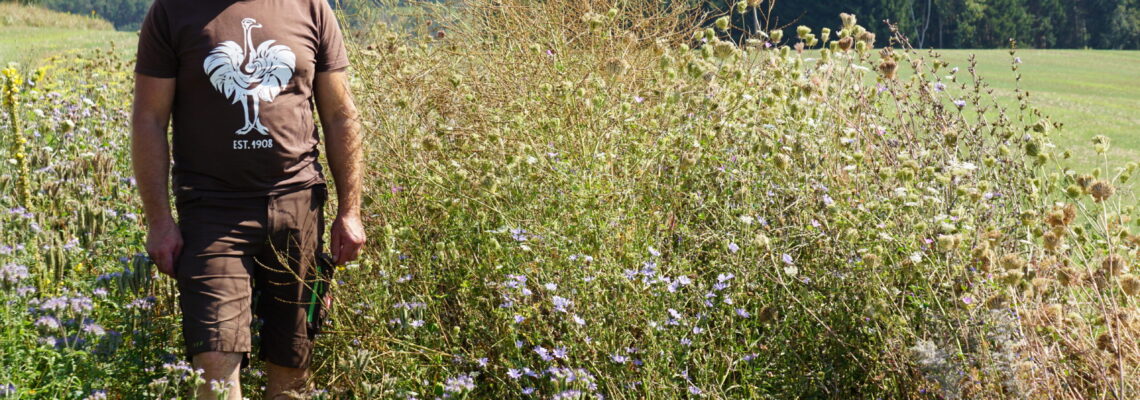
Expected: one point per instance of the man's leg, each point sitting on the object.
(214, 275)
(286, 344)
(285, 379)
(222, 367)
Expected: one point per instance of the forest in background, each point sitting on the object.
(1101, 24)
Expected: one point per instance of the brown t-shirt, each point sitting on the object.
(243, 103)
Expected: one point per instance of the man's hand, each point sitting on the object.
(164, 245)
(347, 238)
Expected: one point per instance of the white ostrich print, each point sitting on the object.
(260, 77)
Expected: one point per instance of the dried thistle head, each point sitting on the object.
(849, 20)
(1084, 180)
(846, 43)
(1104, 342)
(888, 68)
(1011, 262)
(1101, 190)
(615, 67)
(1055, 218)
(984, 257)
(723, 49)
(1070, 213)
(1130, 284)
(1053, 240)
(868, 38)
(1053, 313)
(1112, 265)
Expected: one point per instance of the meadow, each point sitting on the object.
(568, 200)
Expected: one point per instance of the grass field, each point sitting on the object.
(1093, 92)
(28, 46)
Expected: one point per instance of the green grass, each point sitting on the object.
(1092, 92)
(30, 46)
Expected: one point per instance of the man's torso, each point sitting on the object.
(242, 112)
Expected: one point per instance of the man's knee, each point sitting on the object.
(218, 361)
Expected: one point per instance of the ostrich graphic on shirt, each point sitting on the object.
(250, 75)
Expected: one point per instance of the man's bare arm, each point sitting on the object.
(150, 158)
(343, 145)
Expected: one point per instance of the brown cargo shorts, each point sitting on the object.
(246, 257)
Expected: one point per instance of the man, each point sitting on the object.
(239, 79)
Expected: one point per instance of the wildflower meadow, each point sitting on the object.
(587, 199)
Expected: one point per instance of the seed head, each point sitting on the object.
(1113, 265)
(724, 49)
(845, 43)
(615, 67)
(1104, 342)
(849, 20)
(1101, 190)
(1130, 284)
(1012, 262)
(948, 243)
(888, 67)
(1052, 313)
(1012, 277)
(1053, 241)
(868, 38)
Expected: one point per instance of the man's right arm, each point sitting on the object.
(150, 158)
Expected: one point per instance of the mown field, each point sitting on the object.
(564, 203)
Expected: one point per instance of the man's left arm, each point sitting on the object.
(345, 154)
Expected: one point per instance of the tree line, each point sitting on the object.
(1102, 24)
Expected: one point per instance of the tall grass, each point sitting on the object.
(581, 198)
